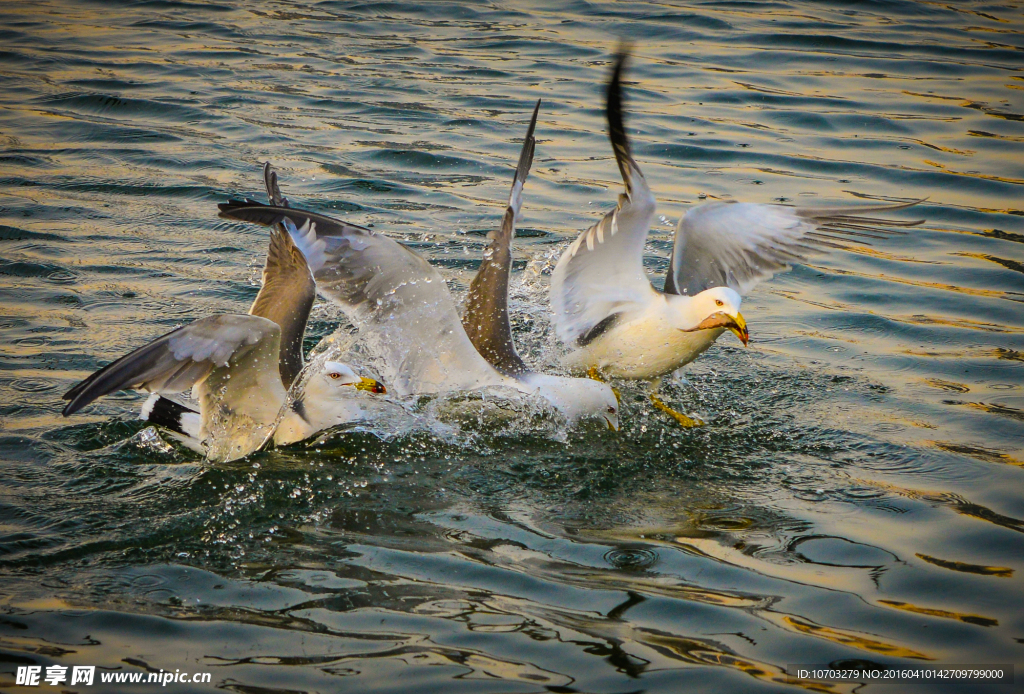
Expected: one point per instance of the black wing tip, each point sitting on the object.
(235, 203)
(614, 114)
(271, 182)
(529, 146)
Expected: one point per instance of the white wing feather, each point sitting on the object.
(602, 271)
(740, 244)
(402, 305)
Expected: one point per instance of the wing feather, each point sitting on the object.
(286, 298)
(740, 244)
(486, 316)
(176, 361)
(273, 190)
(601, 273)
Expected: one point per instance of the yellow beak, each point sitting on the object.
(740, 328)
(720, 319)
(371, 385)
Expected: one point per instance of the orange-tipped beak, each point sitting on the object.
(734, 324)
(739, 329)
(371, 385)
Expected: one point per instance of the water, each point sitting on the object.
(856, 495)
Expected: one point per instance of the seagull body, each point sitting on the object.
(240, 369)
(403, 308)
(647, 342)
(617, 324)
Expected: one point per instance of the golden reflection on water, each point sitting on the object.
(944, 614)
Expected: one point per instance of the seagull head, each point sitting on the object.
(717, 308)
(337, 380)
(327, 399)
(576, 398)
(592, 400)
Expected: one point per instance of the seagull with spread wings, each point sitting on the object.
(406, 314)
(240, 368)
(618, 325)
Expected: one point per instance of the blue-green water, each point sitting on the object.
(858, 494)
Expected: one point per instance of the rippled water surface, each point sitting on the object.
(857, 495)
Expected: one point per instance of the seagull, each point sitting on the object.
(240, 368)
(618, 325)
(405, 312)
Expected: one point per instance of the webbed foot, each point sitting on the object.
(682, 419)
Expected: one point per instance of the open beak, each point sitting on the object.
(611, 425)
(371, 385)
(736, 325)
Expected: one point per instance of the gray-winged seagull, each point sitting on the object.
(618, 325)
(240, 368)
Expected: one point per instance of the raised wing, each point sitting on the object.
(398, 300)
(286, 298)
(602, 271)
(176, 361)
(486, 317)
(740, 244)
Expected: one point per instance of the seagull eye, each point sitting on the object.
(611, 410)
(719, 302)
(334, 375)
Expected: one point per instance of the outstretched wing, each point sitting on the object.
(740, 244)
(602, 271)
(178, 360)
(486, 317)
(286, 298)
(398, 300)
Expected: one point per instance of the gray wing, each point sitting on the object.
(740, 244)
(178, 360)
(398, 300)
(602, 272)
(286, 298)
(486, 316)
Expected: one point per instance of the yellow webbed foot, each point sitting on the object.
(683, 420)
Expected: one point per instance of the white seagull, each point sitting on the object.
(240, 369)
(403, 308)
(618, 325)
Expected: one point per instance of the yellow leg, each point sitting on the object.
(593, 373)
(683, 420)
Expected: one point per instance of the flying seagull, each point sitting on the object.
(403, 308)
(240, 368)
(618, 325)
